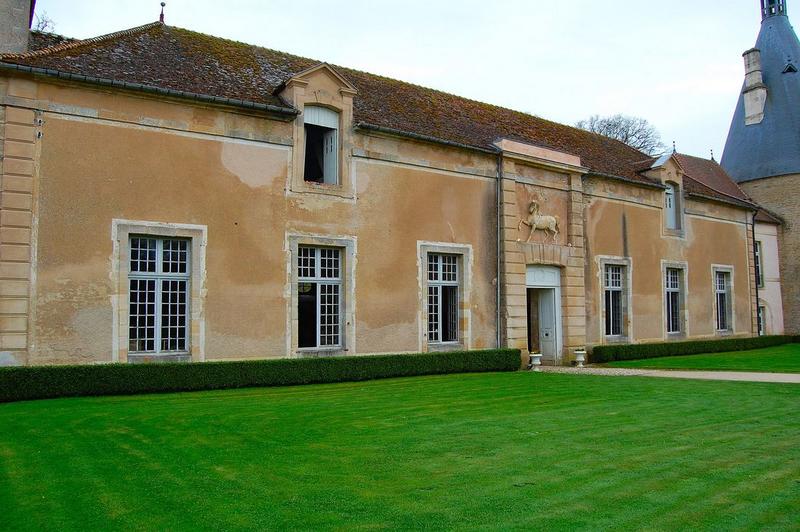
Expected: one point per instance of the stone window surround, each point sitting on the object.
(684, 267)
(121, 230)
(348, 246)
(300, 93)
(627, 300)
(731, 298)
(464, 251)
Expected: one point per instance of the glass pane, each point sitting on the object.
(143, 254)
(174, 315)
(433, 313)
(329, 315)
(141, 319)
(307, 314)
(306, 262)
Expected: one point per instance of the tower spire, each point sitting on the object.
(772, 8)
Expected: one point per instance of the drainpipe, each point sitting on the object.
(753, 228)
(498, 205)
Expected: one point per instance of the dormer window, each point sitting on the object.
(671, 206)
(321, 127)
(790, 69)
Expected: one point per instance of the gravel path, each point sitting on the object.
(748, 376)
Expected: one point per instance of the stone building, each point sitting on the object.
(170, 195)
(762, 152)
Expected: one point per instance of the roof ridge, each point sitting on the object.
(81, 42)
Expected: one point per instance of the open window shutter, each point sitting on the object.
(330, 154)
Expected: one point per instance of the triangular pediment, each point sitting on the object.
(323, 68)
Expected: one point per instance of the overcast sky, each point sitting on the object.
(676, 63)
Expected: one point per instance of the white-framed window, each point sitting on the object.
(722, 303)
(761, 318)
(319, 297)
(443, 300)
(672, 206)
(159, 273)
(321, 129)
(613, 300)
(673, 298)
(759, 263)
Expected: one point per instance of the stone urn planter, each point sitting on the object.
(580, 357)
(535, 361)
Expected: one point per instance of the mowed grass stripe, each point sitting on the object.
(475, 451)
(778, 359)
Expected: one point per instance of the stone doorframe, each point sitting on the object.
(516, 255)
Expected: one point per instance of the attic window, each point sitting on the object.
(790, 68)
(321, 128)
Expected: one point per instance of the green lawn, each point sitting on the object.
(779, 359)
(492, 451)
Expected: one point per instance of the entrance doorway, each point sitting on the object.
(544, 312)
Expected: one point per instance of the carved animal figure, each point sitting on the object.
(545, 222)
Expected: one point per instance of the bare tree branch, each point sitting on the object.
(633, 131)
(44, 23)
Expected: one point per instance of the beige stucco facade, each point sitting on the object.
(85, 167)
(625, 225)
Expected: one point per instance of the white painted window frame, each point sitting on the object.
(626, 263)
(465, 263)
(730, 311)
(318, 115)
(348, 246)
(159, 276)
(121, 231)
(683, 289)
(442, 278)
(758, 251)
(321, 281)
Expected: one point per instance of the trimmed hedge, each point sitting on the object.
(42, 382)
(609, 353)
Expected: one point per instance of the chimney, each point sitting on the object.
(15, 23)
(755, 92)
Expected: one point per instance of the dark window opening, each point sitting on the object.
(449, 313)
(315, 153)
(790, 68)
(307, 314)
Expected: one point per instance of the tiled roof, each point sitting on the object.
(172, 58)
(39, 40)
(708, 178)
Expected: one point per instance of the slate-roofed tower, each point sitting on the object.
(762, 152)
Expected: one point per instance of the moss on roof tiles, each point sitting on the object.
(185, 60)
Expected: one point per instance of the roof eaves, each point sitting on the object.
(140, 87)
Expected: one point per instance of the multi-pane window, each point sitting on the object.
(442, 297)
(722, 300)
(319, 299)
(614, 277)
(158, 295)
(672, 283)
(759, 263)
(761, 317)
